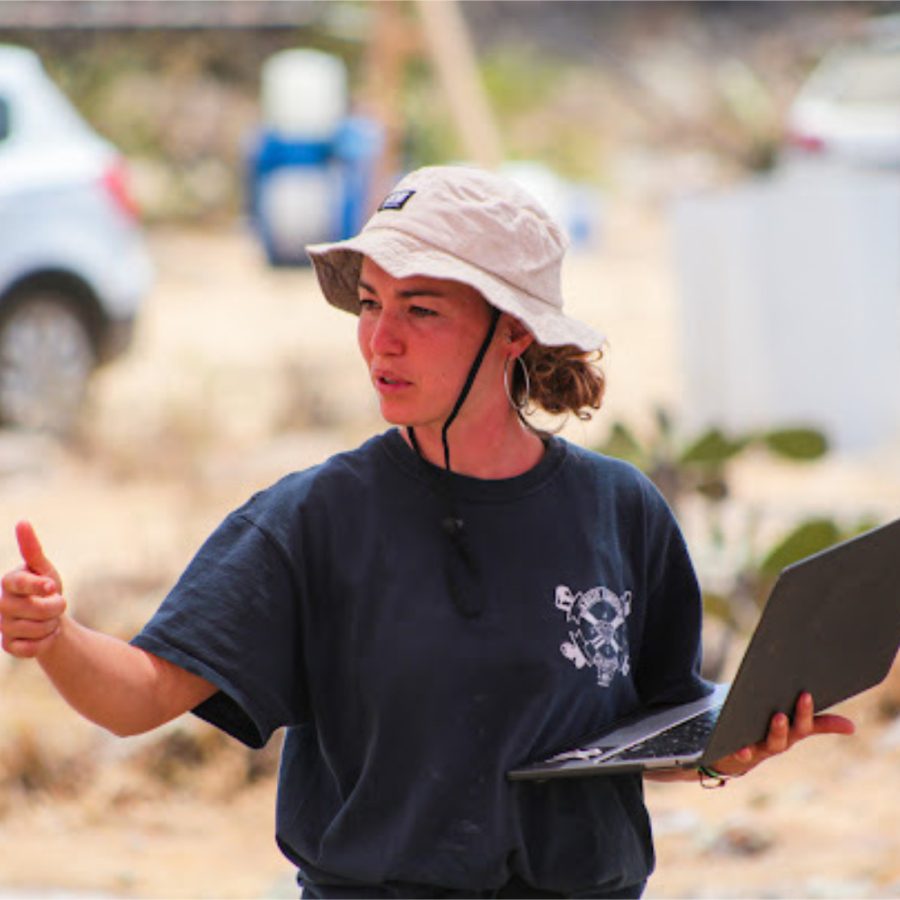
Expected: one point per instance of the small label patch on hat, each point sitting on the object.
(395, 200)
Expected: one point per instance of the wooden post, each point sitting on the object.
(394, 39)
(453, 57)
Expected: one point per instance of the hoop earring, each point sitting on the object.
(518, 407)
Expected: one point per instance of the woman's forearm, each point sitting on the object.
(115, 684)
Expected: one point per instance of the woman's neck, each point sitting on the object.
(482, 452)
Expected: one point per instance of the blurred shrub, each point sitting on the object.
(700, 467)
(30, 765)
(195, 758)
(699, 464)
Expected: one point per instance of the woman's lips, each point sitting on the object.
(389, 383)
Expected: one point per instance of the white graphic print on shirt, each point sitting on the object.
(599, 636)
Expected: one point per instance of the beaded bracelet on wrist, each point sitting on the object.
(711, 778)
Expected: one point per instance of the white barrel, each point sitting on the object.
(300, 205)
(304, 94)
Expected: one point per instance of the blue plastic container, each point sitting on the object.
(301, 192)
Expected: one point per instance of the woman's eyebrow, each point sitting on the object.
(408, 294)
(421, 292)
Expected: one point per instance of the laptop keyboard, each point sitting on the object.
(683, 739)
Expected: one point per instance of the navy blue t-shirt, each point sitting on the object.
(321, 605)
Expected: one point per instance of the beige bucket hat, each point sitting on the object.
(467, 225)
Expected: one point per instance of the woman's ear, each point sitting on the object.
(515, 336)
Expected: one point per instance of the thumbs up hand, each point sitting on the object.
(31, 601)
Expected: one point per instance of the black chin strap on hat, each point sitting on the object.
(467, 386)
(467, 602)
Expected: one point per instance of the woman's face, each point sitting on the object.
(419, 337)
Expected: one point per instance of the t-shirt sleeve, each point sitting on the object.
(671, 652)
(234, 619)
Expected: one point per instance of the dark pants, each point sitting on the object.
(513, 889)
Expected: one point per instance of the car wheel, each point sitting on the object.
(46, 358)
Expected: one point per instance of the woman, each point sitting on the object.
(402, 608)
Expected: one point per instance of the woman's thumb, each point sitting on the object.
(32, 552)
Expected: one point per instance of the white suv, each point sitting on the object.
(73, 264)
(848, 110)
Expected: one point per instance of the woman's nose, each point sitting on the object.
(385, 338)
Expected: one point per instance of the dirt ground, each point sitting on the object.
(241, 373)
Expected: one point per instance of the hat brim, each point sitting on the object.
(337, 266)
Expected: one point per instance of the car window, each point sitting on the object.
(4, 119)
(860, 77)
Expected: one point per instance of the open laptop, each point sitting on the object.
(831, 626)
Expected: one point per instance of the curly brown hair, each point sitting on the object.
(560, 380)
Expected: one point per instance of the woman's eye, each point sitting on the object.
(367, 304)
(421, 312)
